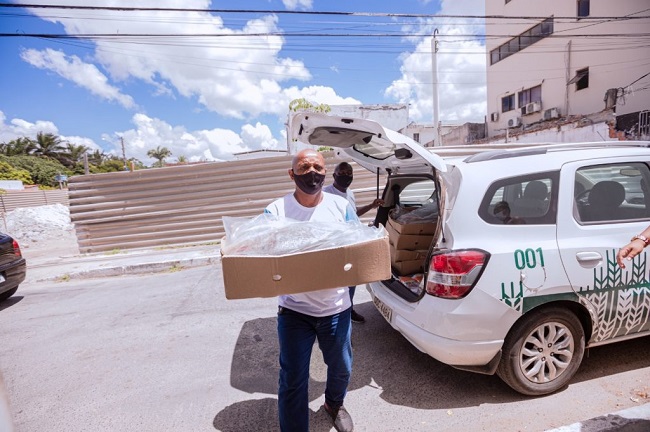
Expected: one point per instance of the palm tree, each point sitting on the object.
(181, 159)
(72, 155)
(18, 147)
(76, 152)
(97, 157)
(49, 145)
(159, 153)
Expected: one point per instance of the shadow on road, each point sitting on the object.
(10, 302)
(383, 358)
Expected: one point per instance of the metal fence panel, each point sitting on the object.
(13, 199)
(183, 204)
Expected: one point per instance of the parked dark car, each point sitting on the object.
(13, 267)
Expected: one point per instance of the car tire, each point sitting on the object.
(5, 295)
(554, 334)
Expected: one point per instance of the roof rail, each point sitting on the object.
(512, 149)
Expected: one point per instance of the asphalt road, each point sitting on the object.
(168, 352)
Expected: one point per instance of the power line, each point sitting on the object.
(288, 12)
(297, 34)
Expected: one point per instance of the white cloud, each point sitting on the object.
(19, 128)
(72, 68)
(297, 4)
(206, 144)
(461, 69)
(240, 74)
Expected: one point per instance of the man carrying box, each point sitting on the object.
(323, 315)
(342, 180)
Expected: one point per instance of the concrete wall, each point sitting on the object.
(613, 62)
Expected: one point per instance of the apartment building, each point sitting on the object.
(554, 59)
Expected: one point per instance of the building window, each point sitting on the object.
(416, 137)
(524, 40)
(533, 94)
(583, 8)
(581, 79)
(508, 103)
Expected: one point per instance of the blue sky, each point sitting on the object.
(206, 97)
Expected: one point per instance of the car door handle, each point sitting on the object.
(589, 259)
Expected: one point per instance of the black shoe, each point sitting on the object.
(341, 418)
(357, 318)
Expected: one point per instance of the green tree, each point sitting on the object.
(160, 153)
(181, 159)
(75, 152)
(18, 146)
(49, 145)
(8, 172)
(42, 170)
(303, 104)
(97, 157)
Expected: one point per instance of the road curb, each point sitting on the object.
(131, 269)
(635, 419)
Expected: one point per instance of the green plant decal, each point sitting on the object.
(620, 298)
(512, 299)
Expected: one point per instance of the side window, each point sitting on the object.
(612, 193)
(521, 200)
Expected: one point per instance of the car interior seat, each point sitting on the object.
(604, 201)
(534, 201)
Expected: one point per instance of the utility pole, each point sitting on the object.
(126, 167)
(434, 63)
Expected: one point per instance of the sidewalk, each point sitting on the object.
(69, 264)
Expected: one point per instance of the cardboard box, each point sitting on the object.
(399, 255)
(408, 241)
(413, 228)
(403, 268)
(271, 276)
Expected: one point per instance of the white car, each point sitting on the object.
(521, 295)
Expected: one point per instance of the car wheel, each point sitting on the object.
(543, 352)
(5, 295)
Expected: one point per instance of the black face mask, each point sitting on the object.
(310, 183)
(343, 181)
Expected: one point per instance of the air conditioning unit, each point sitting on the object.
(514, 122)
(551, 113)
(531, 108)
(494, 117)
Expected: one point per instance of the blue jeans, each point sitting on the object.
(352, 289)
(297, 333)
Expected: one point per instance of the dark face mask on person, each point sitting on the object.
(343, 181)
(310, 183)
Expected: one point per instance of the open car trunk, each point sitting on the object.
(412, 194)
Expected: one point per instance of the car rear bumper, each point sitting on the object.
(459, 353)
(14, 274)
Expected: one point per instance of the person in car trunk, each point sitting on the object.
(343, 177)
(323, 315)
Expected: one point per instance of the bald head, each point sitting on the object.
(304, 156)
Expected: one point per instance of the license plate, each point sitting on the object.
(383, 309)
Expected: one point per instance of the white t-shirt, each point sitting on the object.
(348, 194)
(331, 209)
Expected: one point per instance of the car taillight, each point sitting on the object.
(17, 249)
(452, 275)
